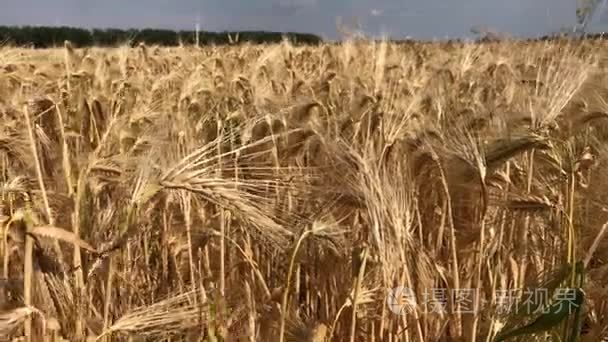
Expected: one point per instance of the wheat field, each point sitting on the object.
(361, 191)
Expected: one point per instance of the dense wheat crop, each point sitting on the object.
(286, 193)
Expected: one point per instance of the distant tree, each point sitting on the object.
(486, 34)
(43, 37)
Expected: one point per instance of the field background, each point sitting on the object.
(279, 192)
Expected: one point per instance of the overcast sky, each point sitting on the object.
(423, 19)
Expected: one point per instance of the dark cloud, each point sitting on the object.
(416, 18)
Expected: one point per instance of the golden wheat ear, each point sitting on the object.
(63, 235)
(502, 150)
(11, 319)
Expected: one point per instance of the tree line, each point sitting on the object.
(47, 36)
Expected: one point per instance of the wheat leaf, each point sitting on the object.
(63, 235)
